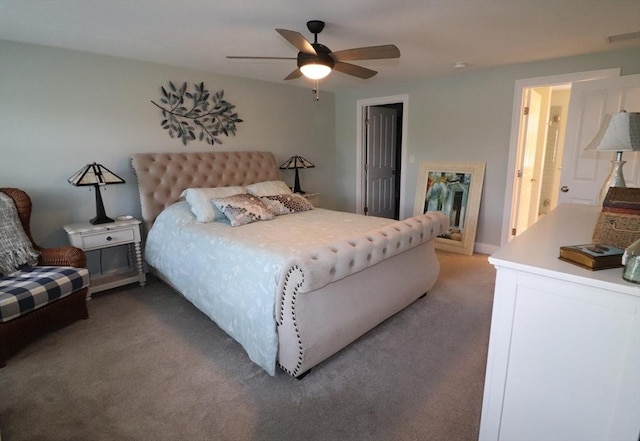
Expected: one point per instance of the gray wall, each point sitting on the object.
(60, 110)
(465, 116)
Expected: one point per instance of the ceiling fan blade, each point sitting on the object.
(352, 69)
(367, 53)
(293, 75)
(239, 57)
(296, 39)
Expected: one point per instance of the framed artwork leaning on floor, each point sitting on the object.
(455, 188)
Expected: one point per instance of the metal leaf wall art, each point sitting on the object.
(197, 115)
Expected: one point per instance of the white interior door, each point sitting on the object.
(584, 172)
(381, 161)
(528, 185)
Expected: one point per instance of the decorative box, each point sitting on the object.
(619, 221)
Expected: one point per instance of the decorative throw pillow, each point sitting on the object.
(200, 201)
(16, 249)
(268, 188)
(242, 209)
(287, 203)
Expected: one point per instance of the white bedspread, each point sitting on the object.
(232, 274)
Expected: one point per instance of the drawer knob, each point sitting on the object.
(109, 238)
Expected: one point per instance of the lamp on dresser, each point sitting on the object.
(618, 133)
(296, 163)
(97, 175)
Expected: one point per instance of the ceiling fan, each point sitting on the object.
(316, 61)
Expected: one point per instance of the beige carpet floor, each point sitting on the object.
(148, 366)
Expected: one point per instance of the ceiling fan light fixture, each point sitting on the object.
(316, 61)
(315, 71)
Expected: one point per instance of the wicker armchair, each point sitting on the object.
(19, 332)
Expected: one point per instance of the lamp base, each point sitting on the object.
(101, 216)
(101, 220)
(296, 184)
(615, 179)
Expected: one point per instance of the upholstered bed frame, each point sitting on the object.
(367, 279)
(163, 176)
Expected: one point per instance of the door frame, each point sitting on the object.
(361, 147)
(514, 144)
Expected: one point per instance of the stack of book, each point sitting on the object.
(592, 256)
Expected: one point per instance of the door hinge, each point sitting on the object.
(525, 111)
(366, 121)
(519, 173)
(366, 210)
(513, 231)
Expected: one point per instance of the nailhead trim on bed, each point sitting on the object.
(323, 265)
(294, 295)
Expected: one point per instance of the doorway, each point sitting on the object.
(542, 144)
(383, 160)
(381, 129)
(543, 133)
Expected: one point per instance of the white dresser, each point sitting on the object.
(564, 351)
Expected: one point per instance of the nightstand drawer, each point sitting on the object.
(107, 239)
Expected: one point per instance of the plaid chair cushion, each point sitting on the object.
(36, 286)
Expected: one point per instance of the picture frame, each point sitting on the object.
(454, 188)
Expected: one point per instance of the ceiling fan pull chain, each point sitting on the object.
(316, 90)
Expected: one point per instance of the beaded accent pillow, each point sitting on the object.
(287, 203)
(242, 209)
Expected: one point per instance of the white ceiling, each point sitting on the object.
(431, 34)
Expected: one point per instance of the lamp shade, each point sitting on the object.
(97, 175)
(619, 132)
(296, 163)
(94, 174)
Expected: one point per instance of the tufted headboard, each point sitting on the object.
(163, 176)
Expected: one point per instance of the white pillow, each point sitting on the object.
(200, 201)
(268, 188)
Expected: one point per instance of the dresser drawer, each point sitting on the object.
(107, 238)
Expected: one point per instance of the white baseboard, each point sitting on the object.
(485, 248)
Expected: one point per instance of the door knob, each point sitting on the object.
(564, 189)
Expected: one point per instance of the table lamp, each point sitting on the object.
(295, 163)
(97, 175)
(618, 133)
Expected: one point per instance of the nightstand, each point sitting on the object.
(88, 237)
(314, 198)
